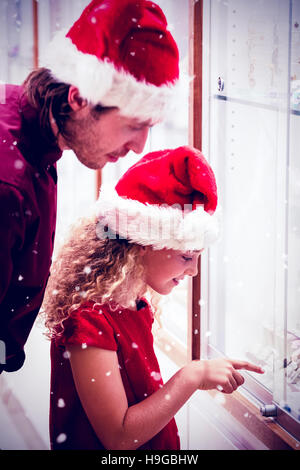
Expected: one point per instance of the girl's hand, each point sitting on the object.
(221, 373)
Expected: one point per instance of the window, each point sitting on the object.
(171, 133)
(250, 292)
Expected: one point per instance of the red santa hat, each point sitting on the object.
(119, 53)
(167, 199)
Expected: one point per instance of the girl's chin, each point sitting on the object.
(166, 288)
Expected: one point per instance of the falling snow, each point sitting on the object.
(87, 270)
(18, 165)
(61, 403)
(66, 354)
(61, 438)
(155, 375)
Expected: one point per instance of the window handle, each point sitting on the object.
(268, 410)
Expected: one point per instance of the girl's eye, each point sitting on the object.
(186, 258)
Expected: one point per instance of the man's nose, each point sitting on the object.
(138, 142)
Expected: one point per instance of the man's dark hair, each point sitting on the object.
(50, 97)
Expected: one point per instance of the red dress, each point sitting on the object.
(128, 332)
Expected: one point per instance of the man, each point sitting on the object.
(103, 85)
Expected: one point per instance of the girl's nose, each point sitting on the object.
(192, 270)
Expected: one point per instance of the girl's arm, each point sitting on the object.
(99, 384)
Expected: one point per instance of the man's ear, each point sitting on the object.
(76, 102)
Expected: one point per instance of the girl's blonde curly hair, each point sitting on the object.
(89, 268)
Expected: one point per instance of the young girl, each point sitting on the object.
(106, 387)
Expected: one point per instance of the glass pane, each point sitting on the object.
(247, 146)
(76, 183)
(16, 40)
(291, 396)
(171, 133)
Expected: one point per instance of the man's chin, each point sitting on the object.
(92, 165)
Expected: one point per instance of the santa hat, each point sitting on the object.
(119, 53)
(167, 200)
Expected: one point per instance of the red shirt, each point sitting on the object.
(128, 332)
(27, 220)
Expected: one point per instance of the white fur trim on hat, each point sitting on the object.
(101, 83)
(160, 226)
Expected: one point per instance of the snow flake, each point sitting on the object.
(18, 165)
(100, 332)
(93, 380)
(84, 345)
(66, 354)
(135, 441)
(62, 437)
(108, 373)
(219, 387)
(93, 20)
(87, 270)
(134, 345)
(54, 292)
(196, 331)
(61, 403)
(20, 278)
(132, 53)
(167, 396)
(201, 302)
(134, 20)
(155, 375)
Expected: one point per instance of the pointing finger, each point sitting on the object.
(247, 366)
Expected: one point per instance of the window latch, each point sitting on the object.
(268, 410)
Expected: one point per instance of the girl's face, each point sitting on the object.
(164, 269)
